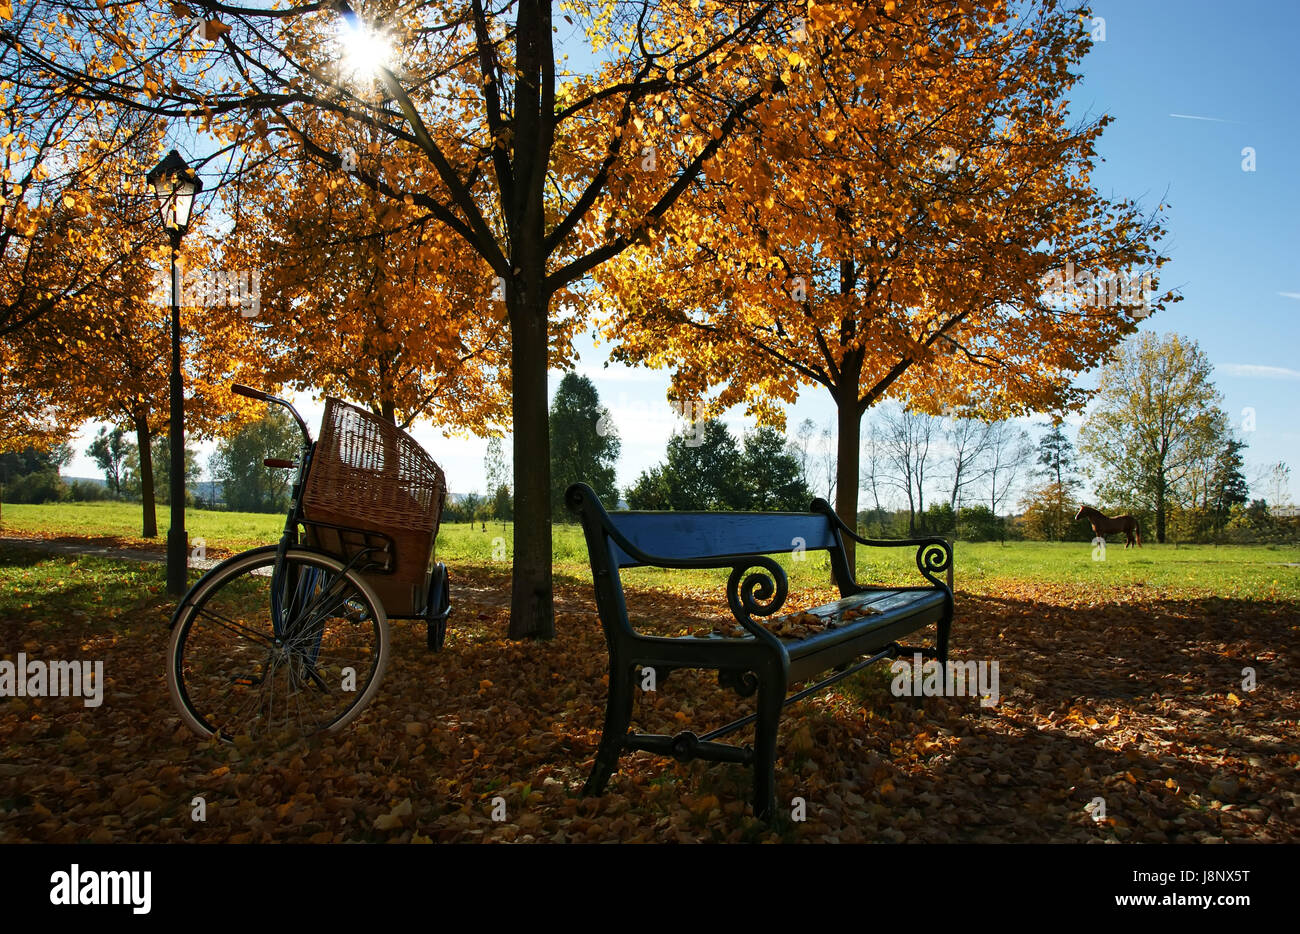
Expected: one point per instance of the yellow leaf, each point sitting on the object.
(214, 29)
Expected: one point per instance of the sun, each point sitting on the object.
(362, 51)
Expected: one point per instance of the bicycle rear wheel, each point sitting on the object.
(232, 673)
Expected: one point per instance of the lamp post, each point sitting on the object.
(176, 184)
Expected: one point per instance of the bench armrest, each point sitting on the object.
(762, 592)
(933, 553)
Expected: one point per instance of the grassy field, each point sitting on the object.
(1238, 571)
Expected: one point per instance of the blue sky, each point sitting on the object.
(1233, 233)
(1190, 84)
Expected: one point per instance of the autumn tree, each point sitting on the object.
(1158, 425)
(63, 164)
(535, 168)
(889, 227)
(367, 298)
(54, 148)
(1047, 512)
(103, 353)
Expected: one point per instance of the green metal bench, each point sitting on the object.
(757, 661)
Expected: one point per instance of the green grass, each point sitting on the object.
(1241, 571)
(232, 531)
(64, 588)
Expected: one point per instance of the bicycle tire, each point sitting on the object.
(226, 664)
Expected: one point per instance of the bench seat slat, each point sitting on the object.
(901, 612)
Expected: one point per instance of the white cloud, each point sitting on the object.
(1295, 295)
(1259, 371)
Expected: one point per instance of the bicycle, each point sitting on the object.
(292, 639)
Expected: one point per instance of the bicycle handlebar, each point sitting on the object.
(240, 389)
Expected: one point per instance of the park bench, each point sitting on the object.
(861, 628)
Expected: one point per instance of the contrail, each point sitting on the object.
(1194, 117)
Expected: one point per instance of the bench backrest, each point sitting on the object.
(687, 535)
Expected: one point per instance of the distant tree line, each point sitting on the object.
(33, 476)
(705, 469)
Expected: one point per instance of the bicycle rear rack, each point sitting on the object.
(348, 543)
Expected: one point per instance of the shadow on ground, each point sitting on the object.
(1135, 699)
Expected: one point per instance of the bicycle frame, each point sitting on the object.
(288, 595)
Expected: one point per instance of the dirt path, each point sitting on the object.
(98, 548)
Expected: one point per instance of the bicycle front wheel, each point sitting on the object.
(242, 664)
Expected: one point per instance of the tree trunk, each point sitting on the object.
(528, 301)
(531, 611)
(144, 445)
(848, 452)
(1160, 510)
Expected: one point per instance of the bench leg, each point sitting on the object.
(944, 628)
(618, 717)
(771, 698)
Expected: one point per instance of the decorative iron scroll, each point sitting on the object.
(768, 585)
(933, 560)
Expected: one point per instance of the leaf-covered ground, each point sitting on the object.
(1130, 695)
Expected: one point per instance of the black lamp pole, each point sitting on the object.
(177, 540)
(176, 185)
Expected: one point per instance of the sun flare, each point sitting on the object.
(363, 51)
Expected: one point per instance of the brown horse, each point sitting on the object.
(1103, 525)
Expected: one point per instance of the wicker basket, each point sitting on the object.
(370, 476)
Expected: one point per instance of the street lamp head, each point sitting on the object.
(176, 184)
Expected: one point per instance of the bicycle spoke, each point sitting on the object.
(237, 628)
(236, 680)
